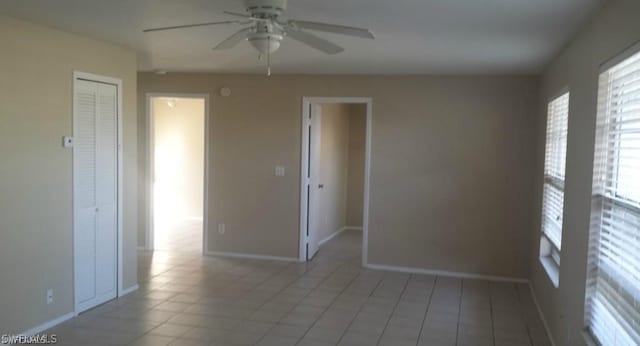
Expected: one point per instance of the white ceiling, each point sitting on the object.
(412, 36)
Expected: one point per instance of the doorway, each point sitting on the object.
(177, 172)
(334, 187)
(97, 189)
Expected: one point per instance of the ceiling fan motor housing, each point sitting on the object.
(265, 8)
(267, 37)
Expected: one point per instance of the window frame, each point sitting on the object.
(605, 196)
(550, 255)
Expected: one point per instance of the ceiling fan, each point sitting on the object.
(266, 30)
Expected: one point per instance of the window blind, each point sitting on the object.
(554, 169)
(612, 309)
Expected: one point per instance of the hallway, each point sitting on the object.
(187, 299)
(183, 237)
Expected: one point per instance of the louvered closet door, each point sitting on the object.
(95, 186)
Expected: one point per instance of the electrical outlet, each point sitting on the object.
(221, 228)
(49, 296)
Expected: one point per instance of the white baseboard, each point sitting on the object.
(145, 247)
(47, 325)
(444, 273)
(544, 320)
(336, 233)
(126, 291)
(250, 256)
(332, 235)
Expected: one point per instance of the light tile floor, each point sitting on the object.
(192, 300)
(185, 236)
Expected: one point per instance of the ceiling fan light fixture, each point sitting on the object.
(265, 43)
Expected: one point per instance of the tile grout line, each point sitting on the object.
(285, 288)
(245, 263)
(181, 264)
(285, 267)
(310, 266)
(493, 332)
(328, 306)
(298, 303)
(459, 310)
(240, 277)
(394, 308)
(249, 262)
(251, 286)
(426, 312)
(361, 306)
(143, 296)
(526, 322)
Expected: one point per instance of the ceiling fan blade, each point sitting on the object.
(234, 39)
(245, 16)
(314, 41)
(193, 25)
(336, 29)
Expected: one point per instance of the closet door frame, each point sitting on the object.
(83, 76)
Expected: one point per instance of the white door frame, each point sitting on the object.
(304, 164)
(149, 164)
(77, 75)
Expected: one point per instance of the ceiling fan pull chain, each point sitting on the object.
(269, 56)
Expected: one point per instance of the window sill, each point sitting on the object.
(552, 269)
(589, 339)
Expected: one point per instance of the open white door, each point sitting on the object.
(95, 186)
(314, 184)
(310, 184)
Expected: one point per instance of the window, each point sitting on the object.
(612, 308)
(553, 188)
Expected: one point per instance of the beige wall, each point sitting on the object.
(577, 68)
(36, 65)
(334, 165)
(355, 185)
(179, 154)
(451, 166)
